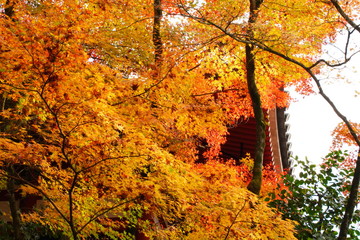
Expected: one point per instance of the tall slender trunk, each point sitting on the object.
(10, 185)
(354, 191)
(14, 209)
(72, 224)
(158, 59)
(255, 184)
(351, 203)
(157, 41)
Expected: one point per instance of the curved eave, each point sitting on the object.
(274, 141)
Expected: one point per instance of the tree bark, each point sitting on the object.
(9, 8)
(157, 41)
(15, 214)
(10, 185)
(354, 190)
(256, 181)
(344, 15)
(351, 203)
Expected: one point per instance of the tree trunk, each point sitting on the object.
(10, 185)
(9, 8)
(351, 203)
(352, 200)
(255, 184)
(15, 214)
(157, 41)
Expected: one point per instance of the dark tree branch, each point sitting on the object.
(164, 77)
(234, 221)
(107, 210)
(85, 169)
(344, 15)
(351, 202)
(47, 197)
(215, 92)
(14, 210)
(157, 36)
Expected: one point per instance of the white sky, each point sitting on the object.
(312, 119)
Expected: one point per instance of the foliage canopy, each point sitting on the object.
(114, 135)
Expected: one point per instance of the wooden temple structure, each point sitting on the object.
(242, 138)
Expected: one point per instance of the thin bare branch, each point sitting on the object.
(47, 197)
(344, 15)
(234, 221)
(105, 211)
(106, 159)
(215, 92)
(168, 71)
